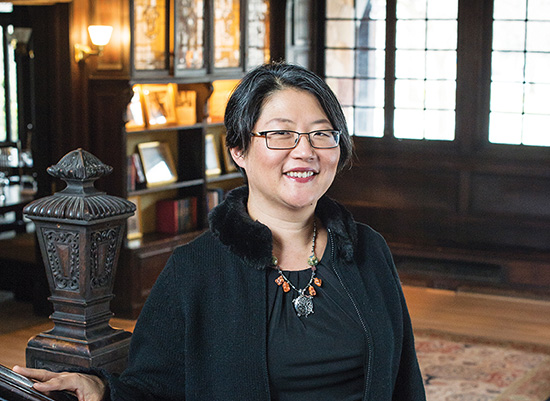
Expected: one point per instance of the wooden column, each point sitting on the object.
(80, 232)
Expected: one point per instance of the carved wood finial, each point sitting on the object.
(79, 200)
(79, 165)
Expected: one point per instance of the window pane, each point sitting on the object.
(508, 35)
(411, 35)
(507, 66)
(340, 33)
(440, 125)
(409, 124)
(537, 99)
(442, 35)
(372, 9)
(431, 27)
(507, 97)
(343, 89)
(371, 34)
(340, 9)
(505, 128)
(369, 92)
(538, 36)
(348, 113)
(536, 130)
(510, 9)
(441, 64)
(411, 9)
(520, 80)
(149, 35)
(442, 9)
(537, 67)
(371, 63)
(440, 95)
(340, 63)
(355, 60)
(409, 93)
(409, 64)
(539, 10)
(227, 33)
(258, 32)
(369, 122)
(189, 53)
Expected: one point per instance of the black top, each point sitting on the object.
(202, 333)
(320, 356)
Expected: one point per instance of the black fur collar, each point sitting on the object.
(252, 241)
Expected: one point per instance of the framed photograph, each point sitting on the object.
(228, 163)
(133, 223)
(212, 158)
(186, 106)
(134, 111)
(159, 104)
(157, 163)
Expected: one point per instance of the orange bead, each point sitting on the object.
(312, 291)
(286, 287)
(279, 280)
(317, 281)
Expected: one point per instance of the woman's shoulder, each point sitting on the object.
(369, 235)
(202, 246)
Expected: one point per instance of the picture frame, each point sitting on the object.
(134, 111)
(157, 163)
(212, 160)
(133, 224)
(228, 163)
(159, 104)
(186, 106)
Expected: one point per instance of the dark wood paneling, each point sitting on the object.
(400, 188)
(476, 206)
(513, 195)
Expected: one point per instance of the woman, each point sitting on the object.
(285, 297)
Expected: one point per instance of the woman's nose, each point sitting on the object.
(303, 147)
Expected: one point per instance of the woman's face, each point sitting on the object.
(290, 178)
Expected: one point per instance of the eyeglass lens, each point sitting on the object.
(289, 139)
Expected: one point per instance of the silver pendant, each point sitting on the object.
(303, 304)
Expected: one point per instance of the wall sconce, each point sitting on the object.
(100, 36)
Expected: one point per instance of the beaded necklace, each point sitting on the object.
(303, 303)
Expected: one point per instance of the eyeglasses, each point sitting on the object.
(285, 139)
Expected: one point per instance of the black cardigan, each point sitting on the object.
(202, 332)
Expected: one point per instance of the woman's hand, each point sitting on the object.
(85, 387)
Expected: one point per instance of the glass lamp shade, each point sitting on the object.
(100, 34)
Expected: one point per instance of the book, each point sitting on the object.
(131, 174)
(213, 197)
(140, 175)
(176, 215)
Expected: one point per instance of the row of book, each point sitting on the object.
(175, 216)
(136, 175)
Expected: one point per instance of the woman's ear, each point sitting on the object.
(238, 156)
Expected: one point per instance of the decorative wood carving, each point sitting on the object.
(80, 231)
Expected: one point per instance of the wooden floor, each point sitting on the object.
(489, 316)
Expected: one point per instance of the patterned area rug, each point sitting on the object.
(457, 368)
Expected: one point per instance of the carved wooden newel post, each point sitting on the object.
(80, 231)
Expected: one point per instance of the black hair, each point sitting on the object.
(248, 98)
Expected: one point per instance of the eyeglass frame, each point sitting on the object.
(336, 134)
